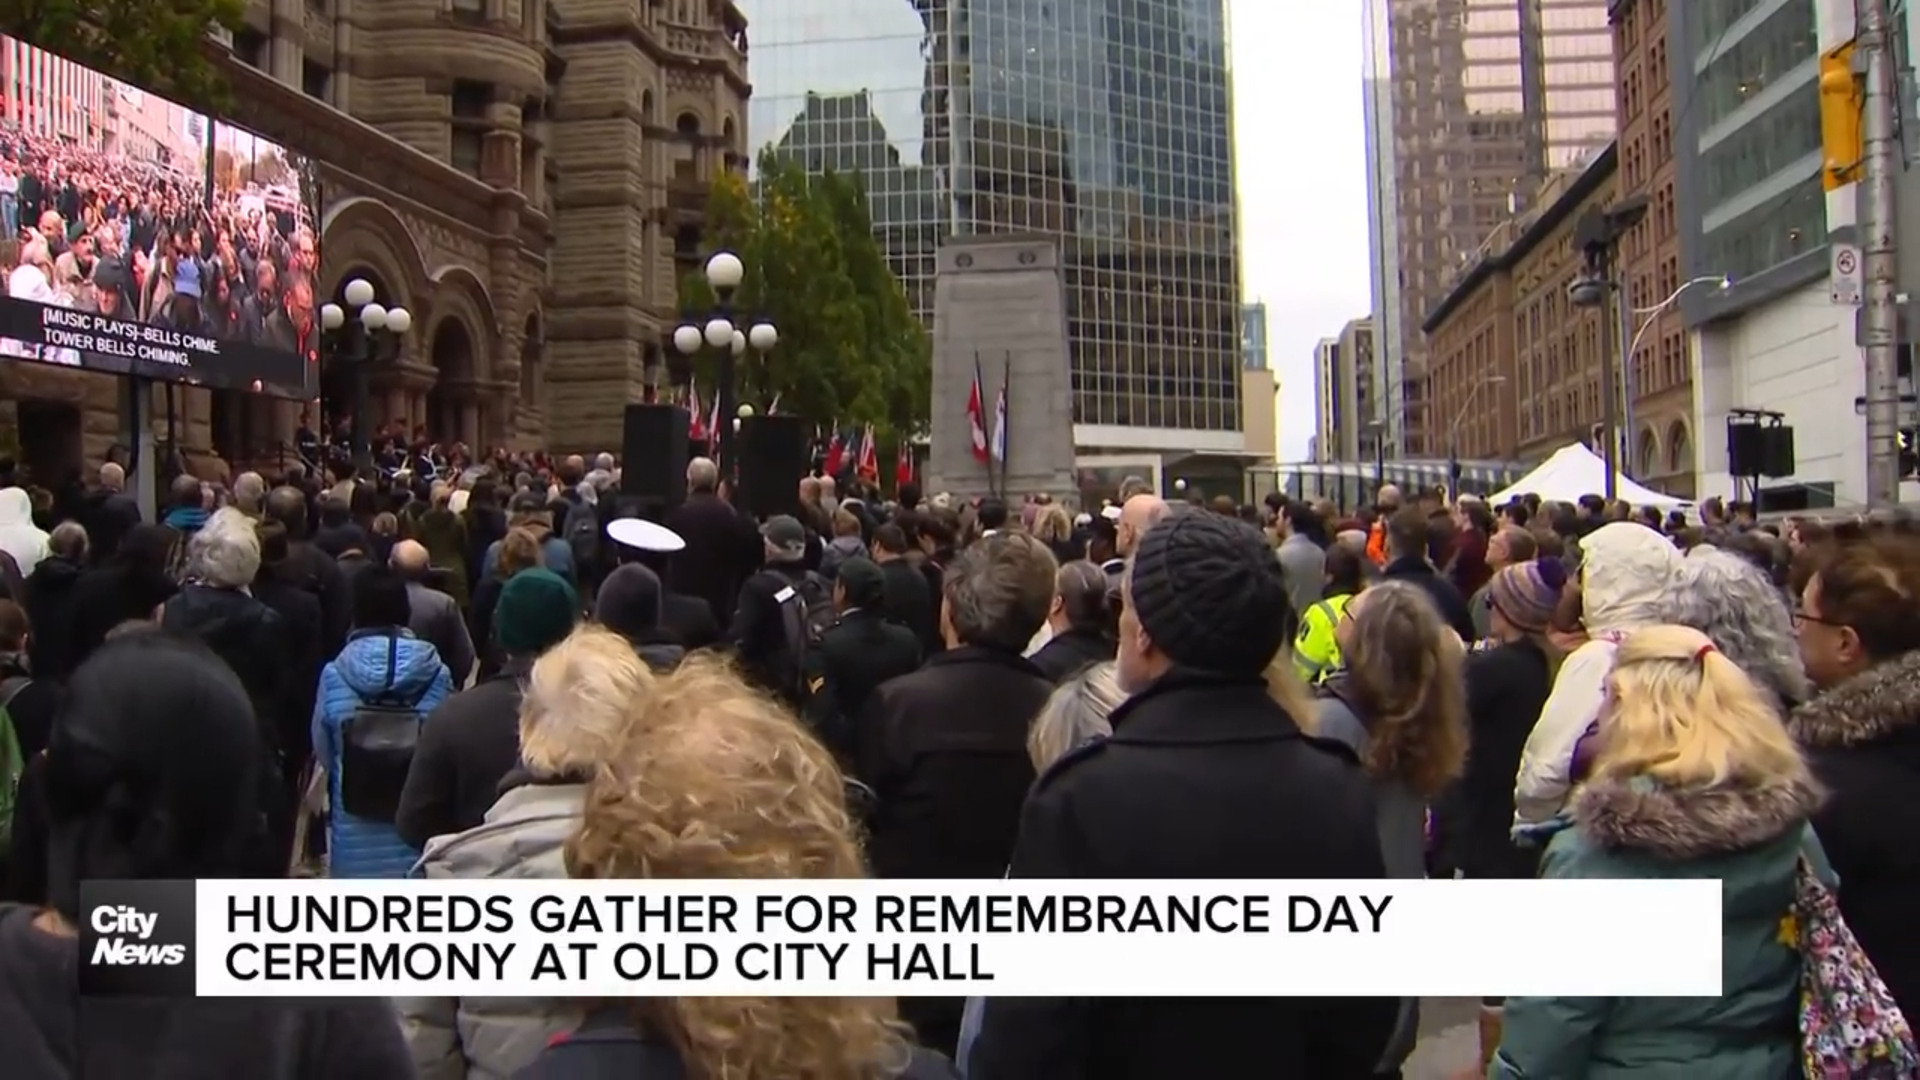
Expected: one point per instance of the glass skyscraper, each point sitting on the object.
(1105, 123)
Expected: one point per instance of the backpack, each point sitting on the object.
(377, 744)
(11, 760)
(806, 613)
(581, 531)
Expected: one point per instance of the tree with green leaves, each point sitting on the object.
(157, 45)
(851, 349)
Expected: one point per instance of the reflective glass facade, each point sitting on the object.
(1483, 101)
(1753, 179)
(1253, 336)
(1106, 123)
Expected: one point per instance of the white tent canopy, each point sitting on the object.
(1574, 471)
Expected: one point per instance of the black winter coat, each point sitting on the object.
(1203, 778)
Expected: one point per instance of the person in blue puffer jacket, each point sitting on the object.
(382, 666)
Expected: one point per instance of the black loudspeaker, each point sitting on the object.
(1760, 450)
(775, 452)
(1776, 451)
(653, 458)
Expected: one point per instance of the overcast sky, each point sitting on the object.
(1300, 142)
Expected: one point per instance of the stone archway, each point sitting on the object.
(1679, 448)
(452, 413)
(366, 235)
(1646, 458)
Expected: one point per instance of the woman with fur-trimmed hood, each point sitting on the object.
(1859, 629)
(1691, 776)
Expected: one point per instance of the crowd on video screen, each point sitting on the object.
(137, 239)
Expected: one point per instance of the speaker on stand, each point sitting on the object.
(774, 453)
(653, 458)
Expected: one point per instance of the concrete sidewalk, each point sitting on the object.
(1449, 1039)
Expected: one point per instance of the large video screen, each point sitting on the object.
(145, 238)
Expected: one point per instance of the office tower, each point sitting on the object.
(1104, 123)
(1471, 105)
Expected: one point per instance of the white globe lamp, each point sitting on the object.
(725, 272)
(687, 339)
(373, 317)
(332, 317)
(399, 320)
(763, 336)
(719, 333)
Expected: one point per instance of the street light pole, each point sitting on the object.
(1880, 317)
(1453, 435)
(1652, 314)
(373, 333)
(724, 272)
(1598, 235)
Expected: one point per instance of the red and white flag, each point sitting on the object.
(696, 422)
(713, 423)
(903, 465)
(977, 421)
(836, 452)
(869, 467)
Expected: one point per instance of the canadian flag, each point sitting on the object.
(836, 453)
(696, 422)
(713, 423)
(977, 420)
(1000, 426)
(869, 466)
(903, 466)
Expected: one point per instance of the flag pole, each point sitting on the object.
(1006, 425)
(980, 381)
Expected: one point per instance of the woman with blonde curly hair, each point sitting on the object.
(717, 781)
(1400, 703)
(1691, 775)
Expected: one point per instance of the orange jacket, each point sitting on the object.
(1377, 542)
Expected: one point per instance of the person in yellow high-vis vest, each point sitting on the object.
(1316, 648)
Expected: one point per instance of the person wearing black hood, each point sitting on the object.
(861, 650)
(1205, 777)
(131, 585)
(150, 777)
(629, 604)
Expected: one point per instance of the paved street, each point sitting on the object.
(1449, 1038)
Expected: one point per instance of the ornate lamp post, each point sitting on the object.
(371, 334)
(717, 331)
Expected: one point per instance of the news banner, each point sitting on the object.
(320, 938)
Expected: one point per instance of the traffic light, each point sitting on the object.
(1842, 104)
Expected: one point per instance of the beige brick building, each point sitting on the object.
(527, 177)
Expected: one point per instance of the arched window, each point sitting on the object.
(688, 124)
(1646, 459)
(1679, 448)
(727, 133)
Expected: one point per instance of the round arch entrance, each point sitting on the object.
(453, 365)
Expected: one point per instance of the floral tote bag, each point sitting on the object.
(1850, 1027)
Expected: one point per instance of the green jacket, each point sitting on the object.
(1751, 837)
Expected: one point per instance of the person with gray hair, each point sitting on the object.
(1082, 620)
(249, 492)
(48, 600)
(216, 605)
(945, 748)
(1736, 604)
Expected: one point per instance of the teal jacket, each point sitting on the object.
(1751, 837)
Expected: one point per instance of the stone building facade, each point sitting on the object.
(526, 177)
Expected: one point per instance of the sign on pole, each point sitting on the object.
(1844, 278)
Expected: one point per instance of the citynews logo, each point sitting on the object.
(123, 940)
(136, 939)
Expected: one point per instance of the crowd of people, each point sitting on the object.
(102, 232)
(590, 686)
